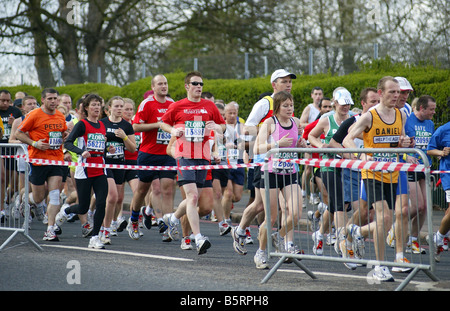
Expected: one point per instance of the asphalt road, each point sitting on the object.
(149, 264)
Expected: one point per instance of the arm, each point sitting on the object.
(319, 129)
(305, 115)
(12, 137)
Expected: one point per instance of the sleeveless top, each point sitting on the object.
(93, 141)
(383, 135)
(277, 167)
(332, 129)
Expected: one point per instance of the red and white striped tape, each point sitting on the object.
(358, 164)
(340, 163)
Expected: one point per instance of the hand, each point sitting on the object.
(42, 145)
(446, 151)
(120, 133)
(86, 154)
(176, 132)
(285, 141)
(112, 149)
(210, 125)
(301, 143)
(405, 142)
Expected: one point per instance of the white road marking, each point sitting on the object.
(118, 252)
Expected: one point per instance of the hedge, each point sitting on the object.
(424, 79)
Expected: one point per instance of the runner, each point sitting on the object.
(90, 134)
(191, 120)
(152, 151)
(44, 130)
(280, 131)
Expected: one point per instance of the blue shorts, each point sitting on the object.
(155, 160)
(237, 175)
(351, 185)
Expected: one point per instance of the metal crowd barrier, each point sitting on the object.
(302, 237)
(14, 210)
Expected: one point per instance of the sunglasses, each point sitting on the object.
(195, 83)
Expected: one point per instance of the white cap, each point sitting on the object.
(404, 84)
(342, 96)
(280, 73)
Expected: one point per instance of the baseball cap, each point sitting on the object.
(280, 73)
(342, 96)
(404, 84)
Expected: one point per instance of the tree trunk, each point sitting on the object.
(42, 57)
(71, 74)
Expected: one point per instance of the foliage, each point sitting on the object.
(424, 79)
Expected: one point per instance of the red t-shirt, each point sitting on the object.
(191, 117)
(151, 111)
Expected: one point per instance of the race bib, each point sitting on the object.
(55, 140)
(194, 131)
(119, 150)
(233, 155)
(162, 137)
(281, 167)
(95, 142)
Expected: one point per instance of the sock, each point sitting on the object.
(240, 231)
(198, 236)
(399, 255)
(174, 219)
(134, 216)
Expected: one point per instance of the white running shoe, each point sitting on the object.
(317, 238)
(260, 260)
(186, 243)
(94, 242)
(202, 244)
(61, 217)
(133, 229)
(382, 274)
(172, 227)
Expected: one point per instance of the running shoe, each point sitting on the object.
(318, 243)
(166, 237)
(173, 229)
(38, 212)
(86, 230)
(347, 253)
(248, 236)
(133, 229)
(146, 219)
(162, 226)
(314, 222)
(238, 242)
(438, 243)
(382, 274)
(390, 239)
(260, 260)
(96, 243)
(186, 243)
(358, 244)
(61, 217)
(415, 248)
(445, 245)
(105, 237)
(50, 235)
(401, 269)
(202, 244)
(121, 223)
(278, 242)
(224, 229)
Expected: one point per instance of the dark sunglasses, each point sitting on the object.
(195, 83)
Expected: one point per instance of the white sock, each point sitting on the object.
(174, 219)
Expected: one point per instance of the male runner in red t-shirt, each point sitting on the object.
(152, 151)
(191, 120)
